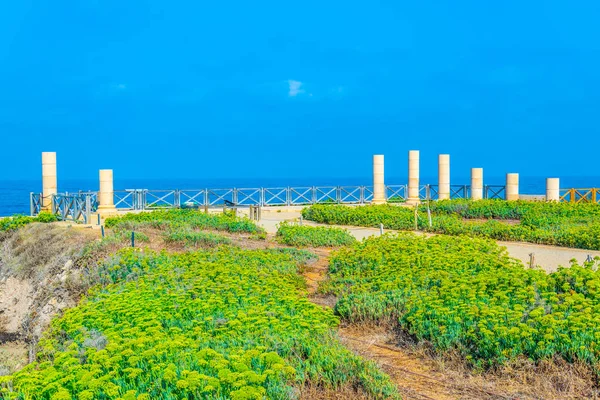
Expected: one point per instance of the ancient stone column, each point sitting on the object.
(512, 187)
(476, 183)
(444, 176)
(106, 196)
(378, 182)
(553, 189)
(413, 177)
(49, 180)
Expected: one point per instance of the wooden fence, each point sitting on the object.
(580, 195)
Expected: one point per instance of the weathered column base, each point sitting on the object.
(444, 177)
(49, 180)
(512, 187)
(476, 183)
(412, 190)
(553, 189)
(378, 180)
(103, 210)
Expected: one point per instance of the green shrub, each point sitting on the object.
(192, 238)
(561, 224)
(466, 294)
(315, 236)
(225, 324)
(184, 218)
(17, 221)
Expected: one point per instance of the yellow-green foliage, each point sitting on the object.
(192, 238)
(184, 218)
(225, 324)
(16, 221)
(315, 236)
(467, 294)
(561, 224)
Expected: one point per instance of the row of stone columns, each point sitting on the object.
(106, 197)
(512, 181)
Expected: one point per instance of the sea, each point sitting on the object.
(14, 194)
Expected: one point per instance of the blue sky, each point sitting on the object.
(298, 89)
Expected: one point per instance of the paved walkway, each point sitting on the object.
(547, 257)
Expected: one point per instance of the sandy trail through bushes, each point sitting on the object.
(422, 376)
(547, 257)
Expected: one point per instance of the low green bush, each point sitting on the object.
(193, 238)
(314, 236)
(467, 294)
(184, 218)
(223, 324)
(17, 221)
(560, 224)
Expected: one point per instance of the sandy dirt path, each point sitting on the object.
(419, 376)
(416, 375)
(547, 257)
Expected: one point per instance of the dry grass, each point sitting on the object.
(315, 392)
(420, 372)
(38, 249)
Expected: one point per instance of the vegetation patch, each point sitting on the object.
(17, 221)
(220, 324)
(184, 218)
(196, 239)
(560, 224)
(467, 295)
(314, 236)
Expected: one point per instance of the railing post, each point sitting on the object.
(88, 208)
(288, 196)
(31, 205)
(234, 196)
(206, 198)
(176, 199)
(144, 199)
(314, 195)
(338, 195)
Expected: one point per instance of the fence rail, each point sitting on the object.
(75, 207)
(79, 206)
(591, 195)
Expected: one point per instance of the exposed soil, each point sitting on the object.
(421, 374)
(37, 263)
(483, 220)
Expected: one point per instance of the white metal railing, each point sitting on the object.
(80, 205)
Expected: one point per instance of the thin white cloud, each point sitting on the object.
(120, 86)
(295, 88)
